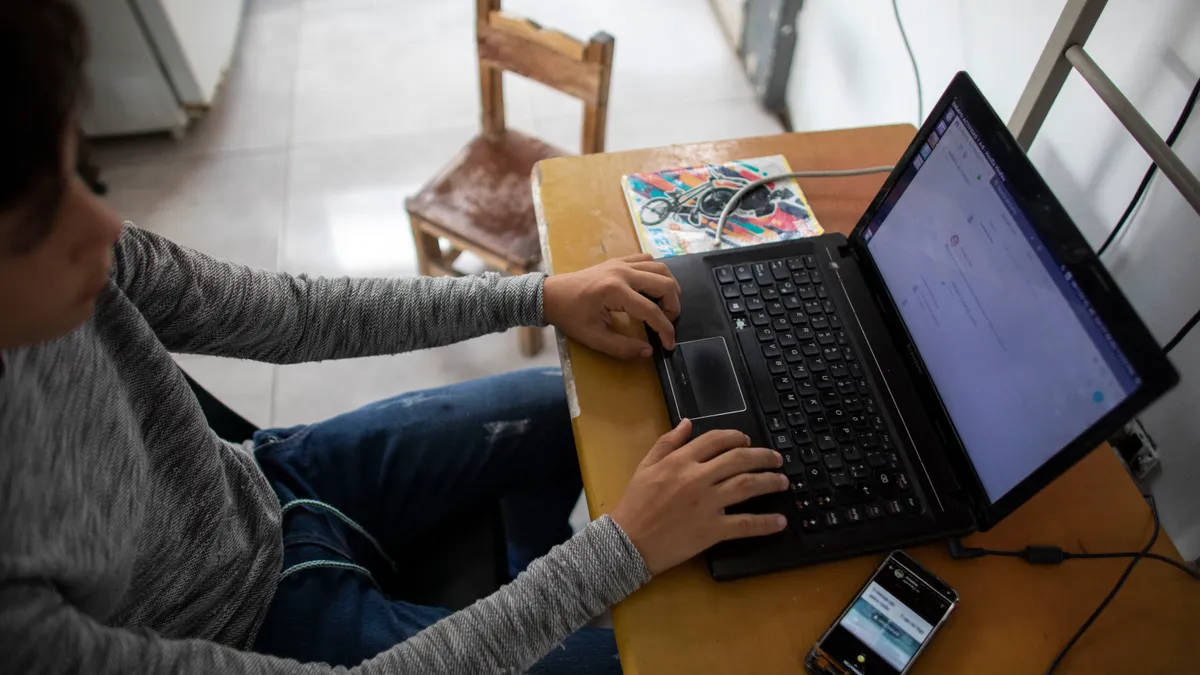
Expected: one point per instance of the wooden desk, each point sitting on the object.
(1013, 617)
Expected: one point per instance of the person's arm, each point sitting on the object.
(196, 304)
(504, 633)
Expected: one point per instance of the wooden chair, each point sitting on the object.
(481, 202)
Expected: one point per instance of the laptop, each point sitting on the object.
(926, 375)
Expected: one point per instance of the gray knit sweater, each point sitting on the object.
(132, 539)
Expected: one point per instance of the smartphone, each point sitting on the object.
(887, 624)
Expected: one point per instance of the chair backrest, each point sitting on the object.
(557, 60)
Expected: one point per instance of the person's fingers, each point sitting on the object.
(740, 460)
(658, 286)
(716, 442)
(669, 442)
(636, 257)
(644, 309)
(654, 267)
(749, 485)
(621, 346)
(742, 525)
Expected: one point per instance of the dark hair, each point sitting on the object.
(43, 44)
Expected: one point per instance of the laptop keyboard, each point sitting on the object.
(813, 397)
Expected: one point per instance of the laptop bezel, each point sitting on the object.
(1068, 246)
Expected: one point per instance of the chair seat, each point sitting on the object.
(483, 196)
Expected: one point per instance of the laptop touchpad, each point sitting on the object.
(704, 380)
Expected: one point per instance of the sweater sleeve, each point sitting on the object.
(196, 304)
(506, 632)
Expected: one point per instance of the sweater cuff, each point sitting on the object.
(522, 298)
(629, 569)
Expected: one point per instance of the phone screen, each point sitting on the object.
(887, 624)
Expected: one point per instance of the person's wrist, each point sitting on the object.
(550, 299)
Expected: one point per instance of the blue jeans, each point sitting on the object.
(358, 488)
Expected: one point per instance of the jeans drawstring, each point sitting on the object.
(335, 564)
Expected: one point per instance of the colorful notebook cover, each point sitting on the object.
(675, 211)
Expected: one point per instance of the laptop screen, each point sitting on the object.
(1021, 362)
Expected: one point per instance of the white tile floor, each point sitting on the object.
(335, 110)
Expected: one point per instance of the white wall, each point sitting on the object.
(851, 70)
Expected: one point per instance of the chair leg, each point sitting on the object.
(429, 251)
(530, 339)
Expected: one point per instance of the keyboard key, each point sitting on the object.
(725, 275)
(868, 440)
(803, 333)
(776, 366)
(800, 372)
(810, 349)
(873, 511)
(754, 304)
(834, 461)
(859, 471)
(795, 264)
(866, 491)
(791, 463)
(767, 402)
(801, 278)
(845, 387)
(798, 318)
(835, 322)
(810, 306)
(783, 383)
(832, 354)
(775, 423)
(807, 293)
(850, 452)
(795, 419)
(821, 292)
(749, 289)
(829, 399)
(762, 274)
(789, 400)
(893, 460)
(843, 434)
(858, 420)
(847, 495)
(810, 524)
(793, 355)
(855, 370)
(823, 381)
(885, 441)
(805, 503)
(765, 335)
(731, 292)
(809, 454)
(800, 482)
(789, 301)
(911, 504)
(786, 288)
(816, 365)
(743, 273)
(854, 515)
(840, 336)
(779, 270)
(736, 306)
(827, 307)
(815, 275)
(769, 293)
(809, 261)
(780, 324)
(885, 480)
(876, 460)
(771, 351)
(825, 441)
(824, 337)
(787, 339)
(806, 388)
(893, 507)
(781, 440)
(812, 405)
(775, 308)
(839, 479)
(825, 500)
(832, 519)
(877, 422)
(869, 405)
(817, 322)
(759, 318)
(817, 478)
(849, 354)
(838, 370)
(802, 436)
(902, 481)
(851, 403)
(818, 422)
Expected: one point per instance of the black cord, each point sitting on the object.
(912, 59)
(1187, 328)
(1137, 196)
(1053, 555)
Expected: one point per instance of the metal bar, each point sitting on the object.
(1162, 154)
(1073, 28)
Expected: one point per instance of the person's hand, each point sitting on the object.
(581, 303)
(674, 506)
